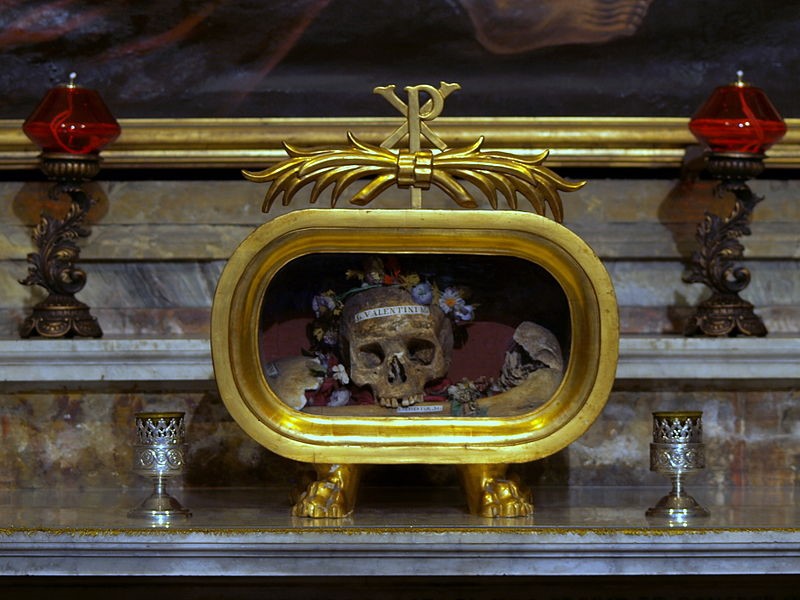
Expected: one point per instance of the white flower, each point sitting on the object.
(340, 374)
(339, 398)
(464, 312)
(449, 299)
(322, 304)
(422, 293)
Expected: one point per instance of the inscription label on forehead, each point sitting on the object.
(391, 311)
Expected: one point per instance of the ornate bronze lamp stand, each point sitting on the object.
(738, 123)
(71, 124)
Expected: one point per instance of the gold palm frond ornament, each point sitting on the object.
(494, 174)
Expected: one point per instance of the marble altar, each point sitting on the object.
(579, 531)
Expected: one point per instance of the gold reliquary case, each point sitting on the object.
(477, 337)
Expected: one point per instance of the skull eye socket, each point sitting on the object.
(371, 355)
(421, 351)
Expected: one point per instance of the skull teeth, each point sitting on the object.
(389, 402)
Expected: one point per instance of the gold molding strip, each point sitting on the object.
(608, 142)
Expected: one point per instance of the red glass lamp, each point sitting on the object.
(71, 119)
(738, 118)
(71, 125)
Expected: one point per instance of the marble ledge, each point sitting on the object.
(244, 532)
(168, 360)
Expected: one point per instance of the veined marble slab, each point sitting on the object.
(182, 359)
(107, 359)
(676, 357)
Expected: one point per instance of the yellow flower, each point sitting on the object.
(410, 280)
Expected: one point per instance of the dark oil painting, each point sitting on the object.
(322, 58)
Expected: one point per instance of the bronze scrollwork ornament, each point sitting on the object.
(716, 263)
(53, 265)
(399, 424)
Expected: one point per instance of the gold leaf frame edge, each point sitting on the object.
(609, 142)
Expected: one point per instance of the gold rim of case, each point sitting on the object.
(574, 406)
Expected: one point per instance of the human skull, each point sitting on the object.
(394, 345)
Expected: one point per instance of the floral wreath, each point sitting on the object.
(323, 331)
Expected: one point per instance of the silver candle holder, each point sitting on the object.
(159, 455)
(677, 451)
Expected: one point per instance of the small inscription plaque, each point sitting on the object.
(391, 311)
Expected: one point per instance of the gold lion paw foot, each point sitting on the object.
(504, 498)
(332, 495)
(322, 499)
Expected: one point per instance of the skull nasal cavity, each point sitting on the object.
(397, 372)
